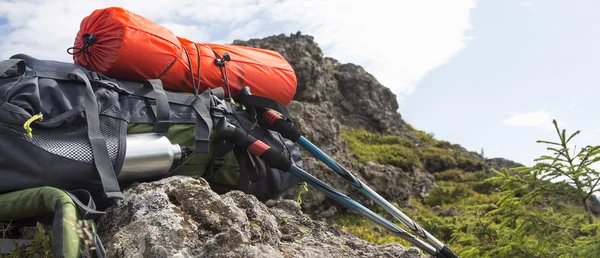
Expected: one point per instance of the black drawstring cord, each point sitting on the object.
(220, 62)
(88, 40)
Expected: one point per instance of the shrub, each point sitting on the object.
(442, 194)
(454, 175)
(437, 160)
(426, 139)
(367, 137)
(443, 145)
(469, 164)
(484, 187)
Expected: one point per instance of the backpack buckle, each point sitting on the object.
(98, 79)
(93, 76)
(213, 166)
(218, 162)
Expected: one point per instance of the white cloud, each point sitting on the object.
(540, 119)
(397, 41)
(199, 33)
(526, 4)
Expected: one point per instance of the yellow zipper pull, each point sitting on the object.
(27, 125)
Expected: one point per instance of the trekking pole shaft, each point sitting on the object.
(374, 196)
(359, 208)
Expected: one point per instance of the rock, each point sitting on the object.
(499, 163)
(182, 217)
(392, 183)
(594, 205)
(437, 208)
(450, 212)
(346, 91)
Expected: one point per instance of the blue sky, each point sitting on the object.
(537, 57)
(484, 74)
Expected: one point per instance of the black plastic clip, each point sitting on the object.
(221, 61)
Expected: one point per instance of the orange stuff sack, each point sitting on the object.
(120, 44)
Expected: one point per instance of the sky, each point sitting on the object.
(487, 75)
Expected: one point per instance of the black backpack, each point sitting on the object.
(64, 126)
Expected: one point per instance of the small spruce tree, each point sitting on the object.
(540, 203)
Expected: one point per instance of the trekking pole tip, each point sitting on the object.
(445, 252)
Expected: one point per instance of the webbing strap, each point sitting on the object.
(50, 74)
(87, 209)
(92, 76)
(163, 112)
(200, 104)
(100, 251)
(244, 165)
(97, 141)
(202, 136)
(217, 160)
(258, 101)
(5, 65)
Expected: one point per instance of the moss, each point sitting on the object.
(390, 150)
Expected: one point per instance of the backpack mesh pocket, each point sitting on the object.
(72, 142)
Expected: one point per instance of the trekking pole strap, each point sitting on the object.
(273, 121)
(258, 148)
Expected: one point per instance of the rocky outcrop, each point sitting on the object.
(332, 97)
(347, 91)
(182, 217)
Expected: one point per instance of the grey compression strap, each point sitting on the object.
(163, 112)
(200, 103)
(97, 141)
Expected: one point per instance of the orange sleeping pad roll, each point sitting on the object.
(123, 45)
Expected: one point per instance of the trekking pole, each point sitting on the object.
(225, 130)
(273, 121)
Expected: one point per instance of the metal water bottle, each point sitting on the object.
(148, 156)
